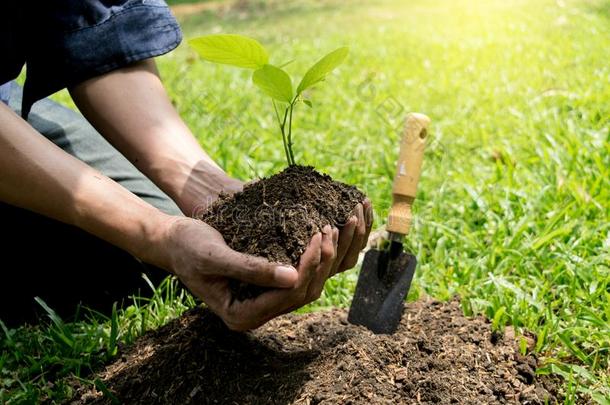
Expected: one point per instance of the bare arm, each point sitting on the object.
(132, 110)
(38, 176)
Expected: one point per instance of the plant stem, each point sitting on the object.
(290, 133)
(287, 140)
(282, 124)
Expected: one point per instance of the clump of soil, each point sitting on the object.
(276, 217)
(437, 356)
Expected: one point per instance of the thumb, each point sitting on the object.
(259, 271)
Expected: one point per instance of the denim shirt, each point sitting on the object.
(64, 42)
(5, 93)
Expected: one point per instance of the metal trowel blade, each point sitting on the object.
(382, 287)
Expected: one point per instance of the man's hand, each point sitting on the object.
(201, 259)
(353, 237)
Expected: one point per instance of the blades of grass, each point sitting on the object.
(541, 339)
(8, 334)
(546, 238)
(61, 332)
(599, 397)
(99, 384)
(497, 323)
(50, 313)
(114, 332)
(565, 338)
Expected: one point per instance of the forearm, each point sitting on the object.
(132, 110)
(38, 176)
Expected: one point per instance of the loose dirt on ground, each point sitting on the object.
(437, 356)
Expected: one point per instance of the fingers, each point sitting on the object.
(351, 257)
(328, 254)
(200, 251)
(309, 262)
(254, 270)
(358, 240)
(368, 219)
(345, 240)
(358, 234)
(250, 314)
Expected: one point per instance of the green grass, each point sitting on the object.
(175, 2)
(513, 210)
(35, 362)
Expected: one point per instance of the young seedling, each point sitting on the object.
(244, 52)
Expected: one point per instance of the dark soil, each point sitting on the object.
(276, 217)
(437, 356)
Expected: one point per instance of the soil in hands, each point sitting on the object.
(276, 217)
(437, 356)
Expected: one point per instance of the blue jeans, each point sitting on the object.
(64, 265)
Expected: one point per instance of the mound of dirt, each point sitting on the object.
(276, 217)
(437, 356)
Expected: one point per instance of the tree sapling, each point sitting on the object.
(244, 52)
(276, 217)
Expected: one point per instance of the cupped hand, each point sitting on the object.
(201, 259)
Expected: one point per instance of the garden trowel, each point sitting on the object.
(387, 271)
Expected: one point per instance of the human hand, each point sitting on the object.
(353, 237)
(201, 259)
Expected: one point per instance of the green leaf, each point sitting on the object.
(231, 49)
(308, 103)
(323, 67)
(274, 82)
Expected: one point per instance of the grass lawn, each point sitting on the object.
(513, 210)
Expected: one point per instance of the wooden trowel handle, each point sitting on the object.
(407, 174)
